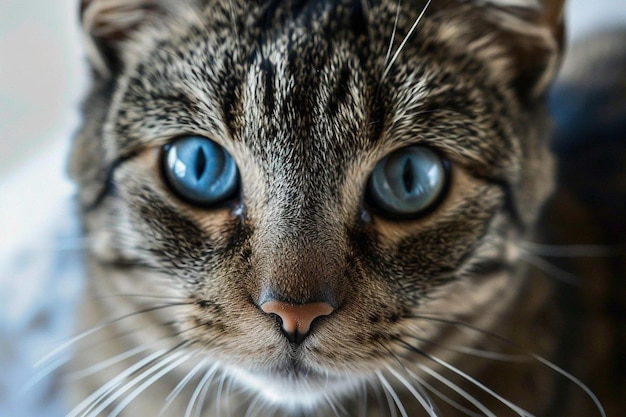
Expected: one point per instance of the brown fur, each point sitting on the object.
(468, 83)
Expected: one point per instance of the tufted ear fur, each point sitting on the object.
(108, 23)
(535, 36)
(523, 38)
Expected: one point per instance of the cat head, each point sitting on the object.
(374, 164)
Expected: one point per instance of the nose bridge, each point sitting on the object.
(303, 270)
(301, 275)
(299, 247)
(300, 256)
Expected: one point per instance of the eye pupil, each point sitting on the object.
(200, 163)
(407, 176)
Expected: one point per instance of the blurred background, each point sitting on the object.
(42, 78)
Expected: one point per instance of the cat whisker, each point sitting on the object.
(445, 318)
(218, 397)
(494, 356)
(337, 400)
(55, 364)
(380, 399)
(394, 396)
(74, 376)
(444, 397)
(575, 380)
(228, 389)
(393, 35)
(332, 406)
(43, 373)
(336, 406)
(480, 353)
(405, 40)
(390, 404)
(137, 391)
(533, 254)
(571, 251)
(181, 385)
(421, 397)
(202, 397)
(454, 387)
(550, 269)
(508, 342)
(99, 327)
(86, 405)
(518, 410)
(77, 375)
(362, 405)
(439, 394)
(93, 369)
(205, 381)
(254, 406)
(149, 296)
(112, 393)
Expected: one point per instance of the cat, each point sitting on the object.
(318, 208)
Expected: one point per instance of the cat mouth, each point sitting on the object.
(293, 384)
(292, 369)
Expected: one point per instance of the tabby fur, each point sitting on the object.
(307, 97)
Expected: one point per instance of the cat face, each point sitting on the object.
(308, 99)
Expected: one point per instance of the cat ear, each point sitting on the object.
(521, 39)
(108, 23)
(534, 32)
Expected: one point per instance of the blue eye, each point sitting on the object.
(200, 171)
(407, 182)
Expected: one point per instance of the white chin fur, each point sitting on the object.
(297, 393)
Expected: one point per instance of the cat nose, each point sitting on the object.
(297, 318)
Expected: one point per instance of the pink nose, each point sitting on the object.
(297, 318)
